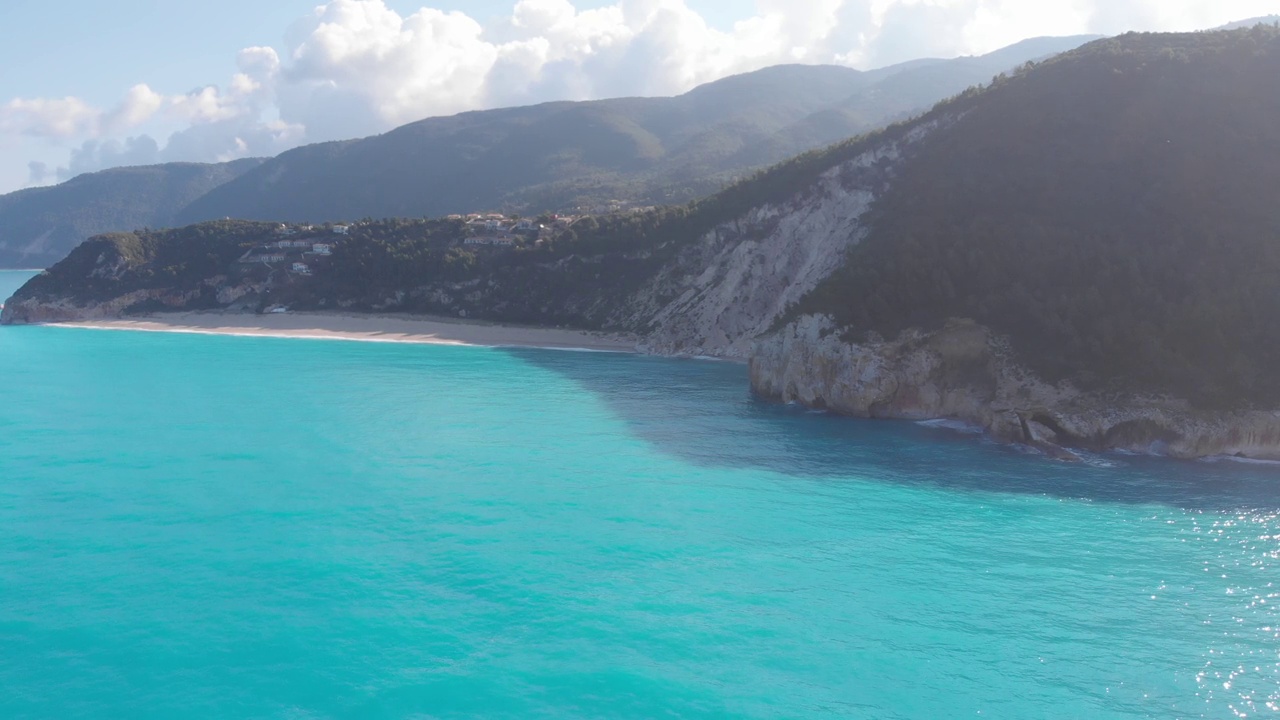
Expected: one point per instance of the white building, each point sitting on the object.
(301, 268)
(322, 248)
(341, 229)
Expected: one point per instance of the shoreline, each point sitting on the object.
(413, 329)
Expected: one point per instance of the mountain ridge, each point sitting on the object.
(39, 225)
(662, 161)
(551, 156)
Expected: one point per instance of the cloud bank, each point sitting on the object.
(357, 67)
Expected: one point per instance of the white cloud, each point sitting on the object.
(72, 117)
(48, 117)
(360, 58)
(357, 67)
(138, 106)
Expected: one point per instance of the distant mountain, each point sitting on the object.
(39, 225)
(560, 155)
(553, 156)
(1251, 22)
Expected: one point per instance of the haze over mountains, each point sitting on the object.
(39, 225)
(1264, 20)
(544, 157)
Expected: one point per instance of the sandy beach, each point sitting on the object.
(368, 328)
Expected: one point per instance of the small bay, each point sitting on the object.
(210, 527)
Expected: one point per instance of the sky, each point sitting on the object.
(86, 85)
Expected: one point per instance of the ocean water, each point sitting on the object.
(225, 527)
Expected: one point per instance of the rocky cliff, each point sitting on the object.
(965, 372)
(737, 280)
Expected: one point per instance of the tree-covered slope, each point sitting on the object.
(38, 226)
(1115, 211)
(116, 264)
(560, 155)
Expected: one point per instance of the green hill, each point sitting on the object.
(1115, 211)
(562, 155)
(39, 225)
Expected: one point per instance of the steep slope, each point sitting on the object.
(1086, 257)
(1083, 254)
(1116, 212)
(39, 226)
(560, 155)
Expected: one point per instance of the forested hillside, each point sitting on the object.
(1115, 211)
(562, 155)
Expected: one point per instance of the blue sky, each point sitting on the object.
(89, 84)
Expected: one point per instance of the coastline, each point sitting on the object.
(413, 329)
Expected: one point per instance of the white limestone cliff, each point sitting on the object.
(740, 278)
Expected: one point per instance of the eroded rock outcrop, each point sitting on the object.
(32, 310)
(965, 372)
(737, 280)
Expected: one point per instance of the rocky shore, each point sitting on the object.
(964, 372)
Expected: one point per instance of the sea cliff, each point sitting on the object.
(966, 372)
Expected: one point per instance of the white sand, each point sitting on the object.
(374, 328)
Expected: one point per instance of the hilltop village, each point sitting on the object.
(300, 249)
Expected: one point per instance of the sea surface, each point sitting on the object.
(230, 527)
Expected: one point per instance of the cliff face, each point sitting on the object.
(737, 280)
(965, 372)
(46, 309)
(29, 310)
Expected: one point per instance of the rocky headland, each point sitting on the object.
(965, 372)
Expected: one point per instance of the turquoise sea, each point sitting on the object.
(228, 527)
